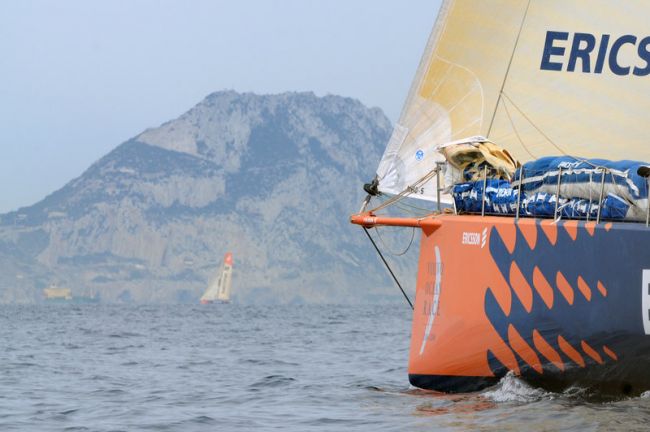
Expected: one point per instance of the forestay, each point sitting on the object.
(538, 77)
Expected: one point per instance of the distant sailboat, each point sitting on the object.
(219, 289)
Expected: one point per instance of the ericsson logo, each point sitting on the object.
(475, 238)
(595, 53)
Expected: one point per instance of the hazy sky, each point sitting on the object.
(77, 78)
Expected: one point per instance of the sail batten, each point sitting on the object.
(537, 77)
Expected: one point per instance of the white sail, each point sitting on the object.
(219, 288)
(537, 77)
(212, 291)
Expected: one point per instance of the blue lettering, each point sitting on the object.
(582, 53)
(613, 54)
(644, 53)
(594, 52)
(602, 51)
(550, 50)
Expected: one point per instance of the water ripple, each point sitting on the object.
(242, 368)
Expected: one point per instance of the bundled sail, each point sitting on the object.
(219, 288)
(537, 77)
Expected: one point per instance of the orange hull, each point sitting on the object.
(451, 333)
(555, 303)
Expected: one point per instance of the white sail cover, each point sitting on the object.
(537, 77)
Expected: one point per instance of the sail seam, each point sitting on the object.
(461, 132)
(421, 110)
(425, 61)
(477, 82)
(444, 77)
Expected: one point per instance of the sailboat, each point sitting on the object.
(219, 289)
(558, 301)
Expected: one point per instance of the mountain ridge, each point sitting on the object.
(271, 177)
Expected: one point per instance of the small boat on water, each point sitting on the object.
(55, 294)
(219, 289)
(541, 268)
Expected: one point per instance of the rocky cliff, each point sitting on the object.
(271, 178)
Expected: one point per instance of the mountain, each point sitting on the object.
(272, 178)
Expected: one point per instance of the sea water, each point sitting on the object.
(244, 368)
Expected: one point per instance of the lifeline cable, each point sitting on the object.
(381, 239)
(388, 267)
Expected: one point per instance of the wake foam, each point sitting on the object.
(514, 389)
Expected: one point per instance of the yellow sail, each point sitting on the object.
(538, 77)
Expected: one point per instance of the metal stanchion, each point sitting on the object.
(602, 191)
(591, 174)
(438, 185)
(647, 210)
(484, 190)
(557, 192)
(521, 179)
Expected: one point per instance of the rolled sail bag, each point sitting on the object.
(500, 197)
(542, 204)
(581, 179)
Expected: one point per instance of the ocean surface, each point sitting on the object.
(244, 368)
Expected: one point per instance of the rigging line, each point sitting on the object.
(514, 128)
(408, 191)
(414, 212)
(505, 77)
(388, 267)
(389, 202)
(407, 210)
(400, 205)
(414, 207)
(388, 249)
(582, 160)
(535, 126)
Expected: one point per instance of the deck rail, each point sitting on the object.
(598, 193)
